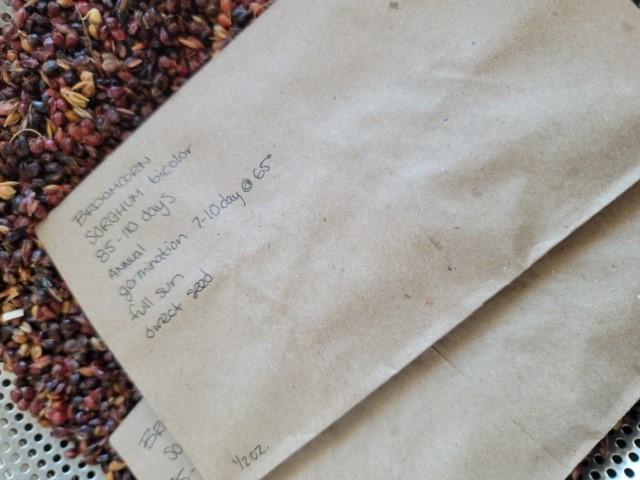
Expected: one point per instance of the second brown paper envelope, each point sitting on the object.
(420, 156)
(527, 385)
(522, 389)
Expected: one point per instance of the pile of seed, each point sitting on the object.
(76, 79)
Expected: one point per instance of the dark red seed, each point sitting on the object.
(28, 393)
(86, 125)
(61, 105)
(20, 17)
(58, 136)
(115, 92)
(75, 132)
(15, 395)
(118, 34)
(58, 119)
(57, 417)
(58, 39)
(35, 407)
(50, 145)
(53, 9)
(21, 368)
(90, 403)
(166, 62)
(92, 140)
(36, 145)
(59, 432)
(71, 41)
(68, 145)
(49, 44)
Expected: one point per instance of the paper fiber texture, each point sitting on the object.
(527, 384)
(427, 420)
(524, 388)
(335, 192)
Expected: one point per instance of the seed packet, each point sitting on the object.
(335, 192)
(523, 388)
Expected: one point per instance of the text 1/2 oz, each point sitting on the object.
(245, 461)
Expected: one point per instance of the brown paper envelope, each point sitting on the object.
(522, 389)
(339, 189)
(149, 448)
(558, 354)
(426, 422)
(570, 367)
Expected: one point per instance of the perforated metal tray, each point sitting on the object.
(617, 456)
(29, 452)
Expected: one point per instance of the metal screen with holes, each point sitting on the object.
(618, 454)
(29, 452)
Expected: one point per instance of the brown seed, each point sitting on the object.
(220, 33)
(36, 352)
(12, 119)
(24, 350)
(66, 306)
(87, 371)
(132, 63)
(7, 192)
(94, 16)
(224, 20)
(72, 116)
(9, 106)
(74, 99)
(97, 344)
(226, 6)
(86, 85)
(81, 112)
(19, 337)
(89, 89)
(42, 362)
(110, 63)
(94, 31)
(256, 8)
(116, 466)
(138, 47)
(25, 327)
(191, 42)
(25, 45)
